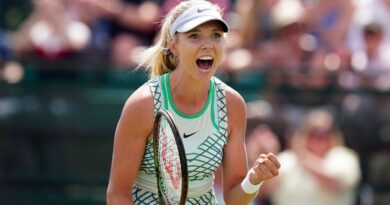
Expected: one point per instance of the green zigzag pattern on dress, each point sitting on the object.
(222, 108)
(209, 154)
(143, 197)
(207, 158)
(147, 164)
(154, 85)
(205, 199)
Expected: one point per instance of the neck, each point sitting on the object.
(189, 95)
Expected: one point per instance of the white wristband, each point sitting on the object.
(248, 187)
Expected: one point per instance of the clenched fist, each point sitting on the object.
(265, 167)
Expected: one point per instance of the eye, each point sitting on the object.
(217, 35)
(193, 36)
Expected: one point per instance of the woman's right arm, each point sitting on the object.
(133, 129)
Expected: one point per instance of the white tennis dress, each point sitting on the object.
(204, 135)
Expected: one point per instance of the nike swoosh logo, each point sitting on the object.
(189, 135)
(201, 10)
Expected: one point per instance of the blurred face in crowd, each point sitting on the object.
(292, 32)
(373, 41)
(319, 141)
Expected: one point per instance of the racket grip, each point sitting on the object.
(248, 187)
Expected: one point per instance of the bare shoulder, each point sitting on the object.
(236, 109)
(141, 99)
(235, 102)
(138, 112)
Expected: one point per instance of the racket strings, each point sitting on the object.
(170, 164)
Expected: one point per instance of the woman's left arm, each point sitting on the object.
(234, 165)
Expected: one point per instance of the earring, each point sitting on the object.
(167, 51)
(172, 59)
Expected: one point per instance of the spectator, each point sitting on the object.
(328, 25)
(369, 43)
(253, 27)
(317, 168)
(133, 26)
(377, 11)
(329, 20)
(373, 63)
(294, 58)
(255, 20)
(52, 30)
(262, 140)
(284, 50)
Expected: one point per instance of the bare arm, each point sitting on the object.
(134, 127)
(235, 161)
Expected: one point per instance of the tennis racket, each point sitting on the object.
(170, 161)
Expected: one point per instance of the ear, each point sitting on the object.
(172, 44)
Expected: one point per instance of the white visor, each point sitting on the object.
(196, 15)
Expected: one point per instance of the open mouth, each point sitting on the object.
(205, 62)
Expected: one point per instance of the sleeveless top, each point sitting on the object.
(204, 136)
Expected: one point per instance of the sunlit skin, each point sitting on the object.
(189, 82)
(204, 40)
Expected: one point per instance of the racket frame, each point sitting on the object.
(181, 151)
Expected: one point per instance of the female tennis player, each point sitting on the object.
(210, 116)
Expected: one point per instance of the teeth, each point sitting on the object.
(206, 58)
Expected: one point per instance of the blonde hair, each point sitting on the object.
(158, 58)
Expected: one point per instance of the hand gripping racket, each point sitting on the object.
(170, 161)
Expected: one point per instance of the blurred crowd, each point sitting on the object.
(314, 46)
(317, 166)
(301, 43)
(314, 43)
